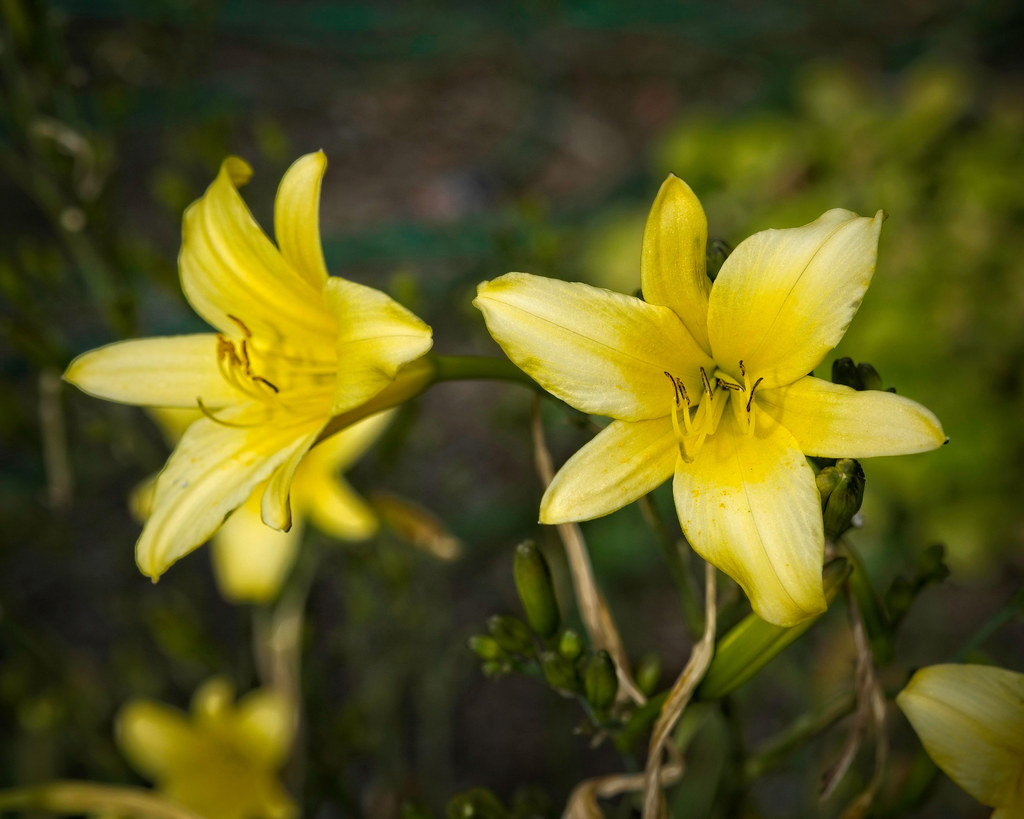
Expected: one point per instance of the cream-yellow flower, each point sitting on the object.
(970, 719)
(294, 348)
(710, 384)
(221, 761)
(250, 559)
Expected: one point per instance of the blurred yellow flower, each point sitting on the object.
(250, 559)
(222, 760)
(970, 719)
(710, 384)
(294, 347)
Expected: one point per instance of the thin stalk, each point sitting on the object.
(476, 368)
(803, 728)
(678, 568)
(70, 797)
(1014, 607)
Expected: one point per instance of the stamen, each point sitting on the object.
(260, 379)
(682, 390)
(241, 325)
(750, 400)
(209, 414)
(675, 386)
(728, 385)
(704, 378)
(743, 370)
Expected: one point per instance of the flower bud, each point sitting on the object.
(600, 683)
(486, 648)
(511, 634)
(559, 672)
(845, 372)
(869, 377)
(842, 491)
(648, 674)
(570, 644)
(537, 593)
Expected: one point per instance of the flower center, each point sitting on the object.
(700, 423)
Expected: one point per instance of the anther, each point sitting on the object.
(262, 380)
(704, 378)
(743, 370)
(241, 325)
(682, 391)
(750, 400)
(675, 386)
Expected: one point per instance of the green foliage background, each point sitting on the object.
(466, 140)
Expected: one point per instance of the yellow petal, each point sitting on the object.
(673, 264)
(156, 738)
(276, 506)
(784, 298)
(626, 460)
(337, 510)
(832, 421)
(602, 352)
(342, 449)
(748, 505)
(376, 336)
(231, 272)
(173, 421)
(250, 559)
(970, 719)
(212, 471)
(265, 726)
(213, 700)
(173, 371)
(297, 218)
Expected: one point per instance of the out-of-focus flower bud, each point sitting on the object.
(648, 673)
(486, 648)
(842, 491)
(845, 372)
(869, 377)
(537, 593)
(511, 634)
(559, 672)
(600, 682)
(570, 644)
(718, 251)
(478, 803)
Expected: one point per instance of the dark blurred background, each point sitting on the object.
(466, 140)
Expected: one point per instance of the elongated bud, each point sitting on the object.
(648, 673)
(570, 644)
(536, 591)
(753, 643)
(600, 683)
(511, 634)
(559, 672)
(486, 648)
(845, 372)
(842, 490)
(869, 377)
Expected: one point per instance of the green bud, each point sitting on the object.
(536, 591)
(570, 644)
(898, 598)
(842, 490)
(845, 372)
(869, 377)
(511, 634)
(495, 668)
(478, 803)
(600, 682)
(931, 564)
(718, 251)
(752, 643)
(486, 648)
(559, 672)
(648, 673)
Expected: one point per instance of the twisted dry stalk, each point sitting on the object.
(597, 617)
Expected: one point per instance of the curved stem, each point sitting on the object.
(475, 367)
(87, 797)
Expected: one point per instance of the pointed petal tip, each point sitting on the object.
(237, 169)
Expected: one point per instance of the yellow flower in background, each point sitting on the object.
(970, 719)
(710, 384)
(220, 761)
(294, 348)
(250, 559)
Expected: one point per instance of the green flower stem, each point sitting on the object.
(804, 728)
(475, 368)
(682, 576)
(86, 797)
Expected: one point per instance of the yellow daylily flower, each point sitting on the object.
(294, 348)
(221, 761)
(710, 384)
(250, 559)
(970, 719)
